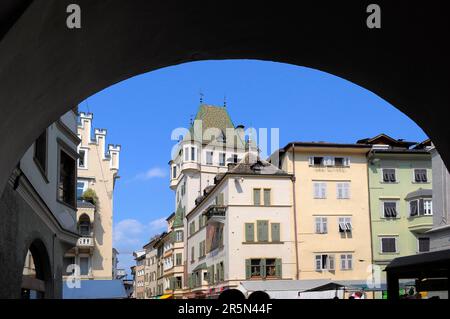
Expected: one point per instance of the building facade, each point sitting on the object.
(400, 189)
(41, 194)
(241, 229)
(139, 275)
(98, 168)
(331, 204)
(440, 233)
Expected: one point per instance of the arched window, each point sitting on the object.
(84, 225)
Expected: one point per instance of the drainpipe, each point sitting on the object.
(369, 158)
(295, 214)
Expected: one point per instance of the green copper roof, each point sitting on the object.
(179, 217)
(215, 119)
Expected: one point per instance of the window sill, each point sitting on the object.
(414, 182)
(263, 242)
(390, 182)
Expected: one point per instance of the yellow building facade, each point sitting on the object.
(331, 205)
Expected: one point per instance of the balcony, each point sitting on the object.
(85, 242)
(420, 224)
(186, 166)
(216, 213)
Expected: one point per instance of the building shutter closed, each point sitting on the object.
(257, 197)
(275, 229)
(263, 230)
(266, 197)
(249, 232)
(248, 269)
(278, 268)
(413, 209)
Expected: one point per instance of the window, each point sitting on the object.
(66, 183)
(346, 261)
(262, 230)
(424, 244)
(84, 266)
(192, 228)
(201, 249)
(85, 227)
(178, 283)
(219, 199)
(249, 232)
(222, 160)
(81, 188)
(420, 176)
(178, 259)
(261, 268)
(209, 158)
(341, 161)
(317, 161)
(40, 152)
(179, 235)
(345, 224)
(186, 154)
(257, 196)
(343, 190)
(82, 160)
(321, 225)
(389, 175)
(421, 207)
(275, 232)
(266, 197)
(390, 209)
(193, 154)
(320, 190)
(324, 262)
(388, 244)
(174, 171)
(192, 254)
(234, 158)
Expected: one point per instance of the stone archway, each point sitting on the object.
(37, 274)
(46, 68)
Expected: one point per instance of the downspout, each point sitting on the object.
(297, 276)
(369, 157)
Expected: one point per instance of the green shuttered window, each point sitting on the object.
(275, 229)
(249, 232)
(262, 230)
(257, 197)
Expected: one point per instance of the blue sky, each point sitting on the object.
(140, 114)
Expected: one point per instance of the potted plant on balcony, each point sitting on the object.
(90, 196)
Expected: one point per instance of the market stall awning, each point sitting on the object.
(166, 296)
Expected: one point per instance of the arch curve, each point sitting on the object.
(59, 67)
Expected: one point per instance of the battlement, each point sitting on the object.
(100, 131)
(114, 147)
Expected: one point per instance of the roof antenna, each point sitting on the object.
(224, 101)
(201, 97)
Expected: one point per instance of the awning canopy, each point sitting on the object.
(167, 296)
(288, 285)
(200, 267)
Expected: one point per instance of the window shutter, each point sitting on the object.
(323, 190)
(257, 197)
(316, 190)
(318, 225)
(330, 262)
(278, 268)
(311, 160)
(346, 190)
(421, 207)
(262, 264)
(347, 161)
(318, 262)
(248, 269)
(220, 200)
(339, 190)
(324, 225)
(275, 229)
(263, 230)
(249, 232)
(267, 197)
(413, 208)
